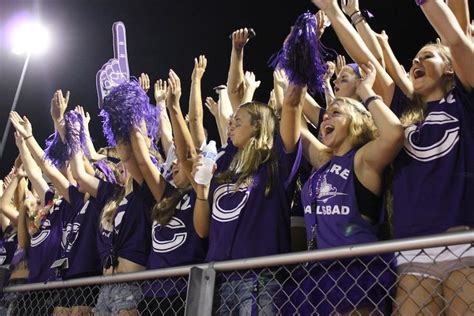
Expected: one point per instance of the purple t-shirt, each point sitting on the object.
(246, 223)
(80, 223)
(332, 216)
(177, 243)
(130, 238)
(8, 245)
(45, 244)
(433, 184)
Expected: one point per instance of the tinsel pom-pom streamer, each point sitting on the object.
(126, 106)
(301, 56)
(56, 151)
(102, 167)
(75, 133)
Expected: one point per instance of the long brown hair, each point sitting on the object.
(164, 210)
(109, 210)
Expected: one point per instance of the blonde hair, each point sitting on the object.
(416, 110)
(258, 150)
(361, 126)
(109, 210)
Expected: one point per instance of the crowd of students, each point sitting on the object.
(380, 132)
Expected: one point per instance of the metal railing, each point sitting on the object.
(362, 279)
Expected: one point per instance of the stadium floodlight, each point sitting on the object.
(29, 38)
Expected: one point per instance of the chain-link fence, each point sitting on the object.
(422, 276)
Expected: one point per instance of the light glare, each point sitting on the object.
(30, 38)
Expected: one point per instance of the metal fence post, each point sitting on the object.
(200, 293)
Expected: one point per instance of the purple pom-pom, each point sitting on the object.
(152, 123)
(102, 167)
(126, 106)
(75, 133)
(56, 151)
(302, 55)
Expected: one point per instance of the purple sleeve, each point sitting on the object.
(467, 97)
(145, 193)
(48, 196)
(399, 102)
(288, 163)
(76, 197)
(104, 192)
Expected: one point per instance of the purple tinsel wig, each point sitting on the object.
(302, 54)
(102, 168)
(126, 106)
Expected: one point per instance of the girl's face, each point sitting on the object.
(427, 72)
(346, 83)
(335, 127)
(242, 129)
(179, 174)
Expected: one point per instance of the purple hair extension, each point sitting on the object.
(56, 151)
(302, 54)
(127, 105)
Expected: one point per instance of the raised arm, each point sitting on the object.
(23, 127)
(182, 138)
(355, 46)
(152, 176)
(213, 108)
(290, 121)
(166, 133)
(462, 49)
(87, 182)
(328, 91)
(393, 67)
(86, 118)
(372, 158)
(31, 168)
(460, 9)
(351, 9)
(250, 85)
(235, 78)
(6, 206)
(195, 102)
(315, 152)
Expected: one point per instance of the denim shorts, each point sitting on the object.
(116, 297)
(248, 296)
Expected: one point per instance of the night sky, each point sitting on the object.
(164, 34)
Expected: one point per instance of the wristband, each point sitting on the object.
(25, 138)
(370, 99)
(355, 12)
(420, 2)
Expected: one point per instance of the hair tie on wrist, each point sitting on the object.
(370, 99)
(198, 198)
(355, 12)
(420, 2)
(25, 138)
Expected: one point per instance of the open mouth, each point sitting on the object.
(328, 129)
(418, 73)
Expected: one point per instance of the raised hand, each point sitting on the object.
(325, 4)
(250, 81)
(340, 63)
(22, 125)
(280, 78)
(86, 118)
(116, 70)
(241, 37)
(144, 81)
(365, 84)
(211, 105)
(174, 89)
(160, 91)
(323, 22)
(59, 104)
(330, 72)
(350, 7)
(200, 64)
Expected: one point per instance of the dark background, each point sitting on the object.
(164, 34)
